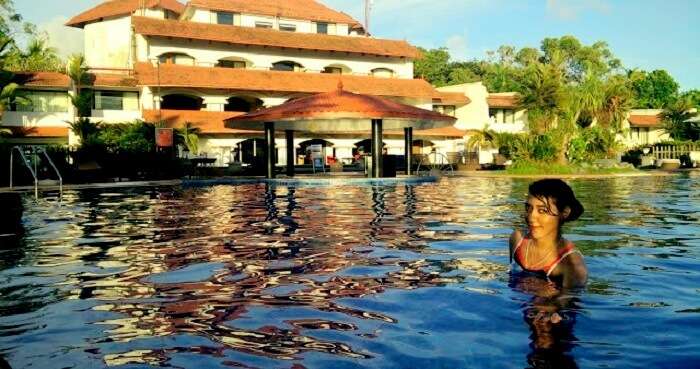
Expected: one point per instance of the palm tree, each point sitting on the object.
(542, 93)
(617, 101)
(8, 89)
(189, 134)
(677, 120)
(77, 70)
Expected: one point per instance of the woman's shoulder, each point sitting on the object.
(574, 263)
(516, 237)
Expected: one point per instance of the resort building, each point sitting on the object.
(644, 127)
(210, 60)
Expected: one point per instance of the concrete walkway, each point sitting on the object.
(172, 182)
(641, 173)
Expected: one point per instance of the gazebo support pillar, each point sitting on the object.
(270, 152)
(377, 149)
(291, 156)
(408, 149)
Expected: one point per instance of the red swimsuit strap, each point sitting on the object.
(561, 255)
(519, 257)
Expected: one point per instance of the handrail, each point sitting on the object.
(26, 164)
(55, 169)
(34, 150)
(439, 166)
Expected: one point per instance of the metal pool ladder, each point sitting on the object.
(439, 162)
(30, 162)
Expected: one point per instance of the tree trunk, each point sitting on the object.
(561, 157)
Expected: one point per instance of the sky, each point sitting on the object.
(644, 34)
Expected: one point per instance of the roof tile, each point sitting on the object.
(451, 98)
(509, 100)
(115, 8)
(293, 9)
(272, 38)
(209, 122)
(277, 81)
(644, 120)
(52, 131)
(340, 104)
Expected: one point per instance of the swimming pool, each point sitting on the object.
(394, 276)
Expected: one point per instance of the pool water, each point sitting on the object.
(396, 276)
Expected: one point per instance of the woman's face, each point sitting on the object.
(543, 222)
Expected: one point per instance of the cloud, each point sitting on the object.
(457, 45)
(571, 9)
(65, 40)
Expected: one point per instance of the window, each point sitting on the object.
(333, 70)
(502, 115)
(116, 100)
(383, 72)
(43, 102)
(508, 116)
(322, 28)
(176, 58)
(445, 109)
(641, 134)
(236, 64)
(224, 18)
(287, 66)
(288, 27)
(263, 25)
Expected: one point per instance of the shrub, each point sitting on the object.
(543, 148)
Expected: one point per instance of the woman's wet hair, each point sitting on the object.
(559, 192)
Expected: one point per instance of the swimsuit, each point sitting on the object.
(547, 269)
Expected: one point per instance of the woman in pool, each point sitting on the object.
(543, 250)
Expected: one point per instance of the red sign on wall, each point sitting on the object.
(164, 137)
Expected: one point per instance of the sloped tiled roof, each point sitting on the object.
(115, 8)
(451, 132)
(277, 81)
(503, 100)
(209, 122)
(339, 104)
(639, 120)
(272, 38)
(113, 80)
(451, 98)
(62, 81)
(53, 131)
(42, 79)
(293, 9)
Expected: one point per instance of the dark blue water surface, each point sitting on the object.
(397, 276)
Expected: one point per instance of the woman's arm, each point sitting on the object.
(576, 273)
(515, 237)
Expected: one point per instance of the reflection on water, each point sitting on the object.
(273, 276)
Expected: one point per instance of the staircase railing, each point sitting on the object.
(31, 165)
(434, 164)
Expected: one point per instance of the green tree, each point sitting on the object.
(542, 93)
(77, 70)
(433, 66)
(676, 121)
(189, 136)
(579, 59)
(693, 96)
(38, 57)
(654, 90)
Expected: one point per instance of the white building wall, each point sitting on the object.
(108, 43)
(116, 116)
(249, 20)
(208, 55)
(474, 115)
(36, 119)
